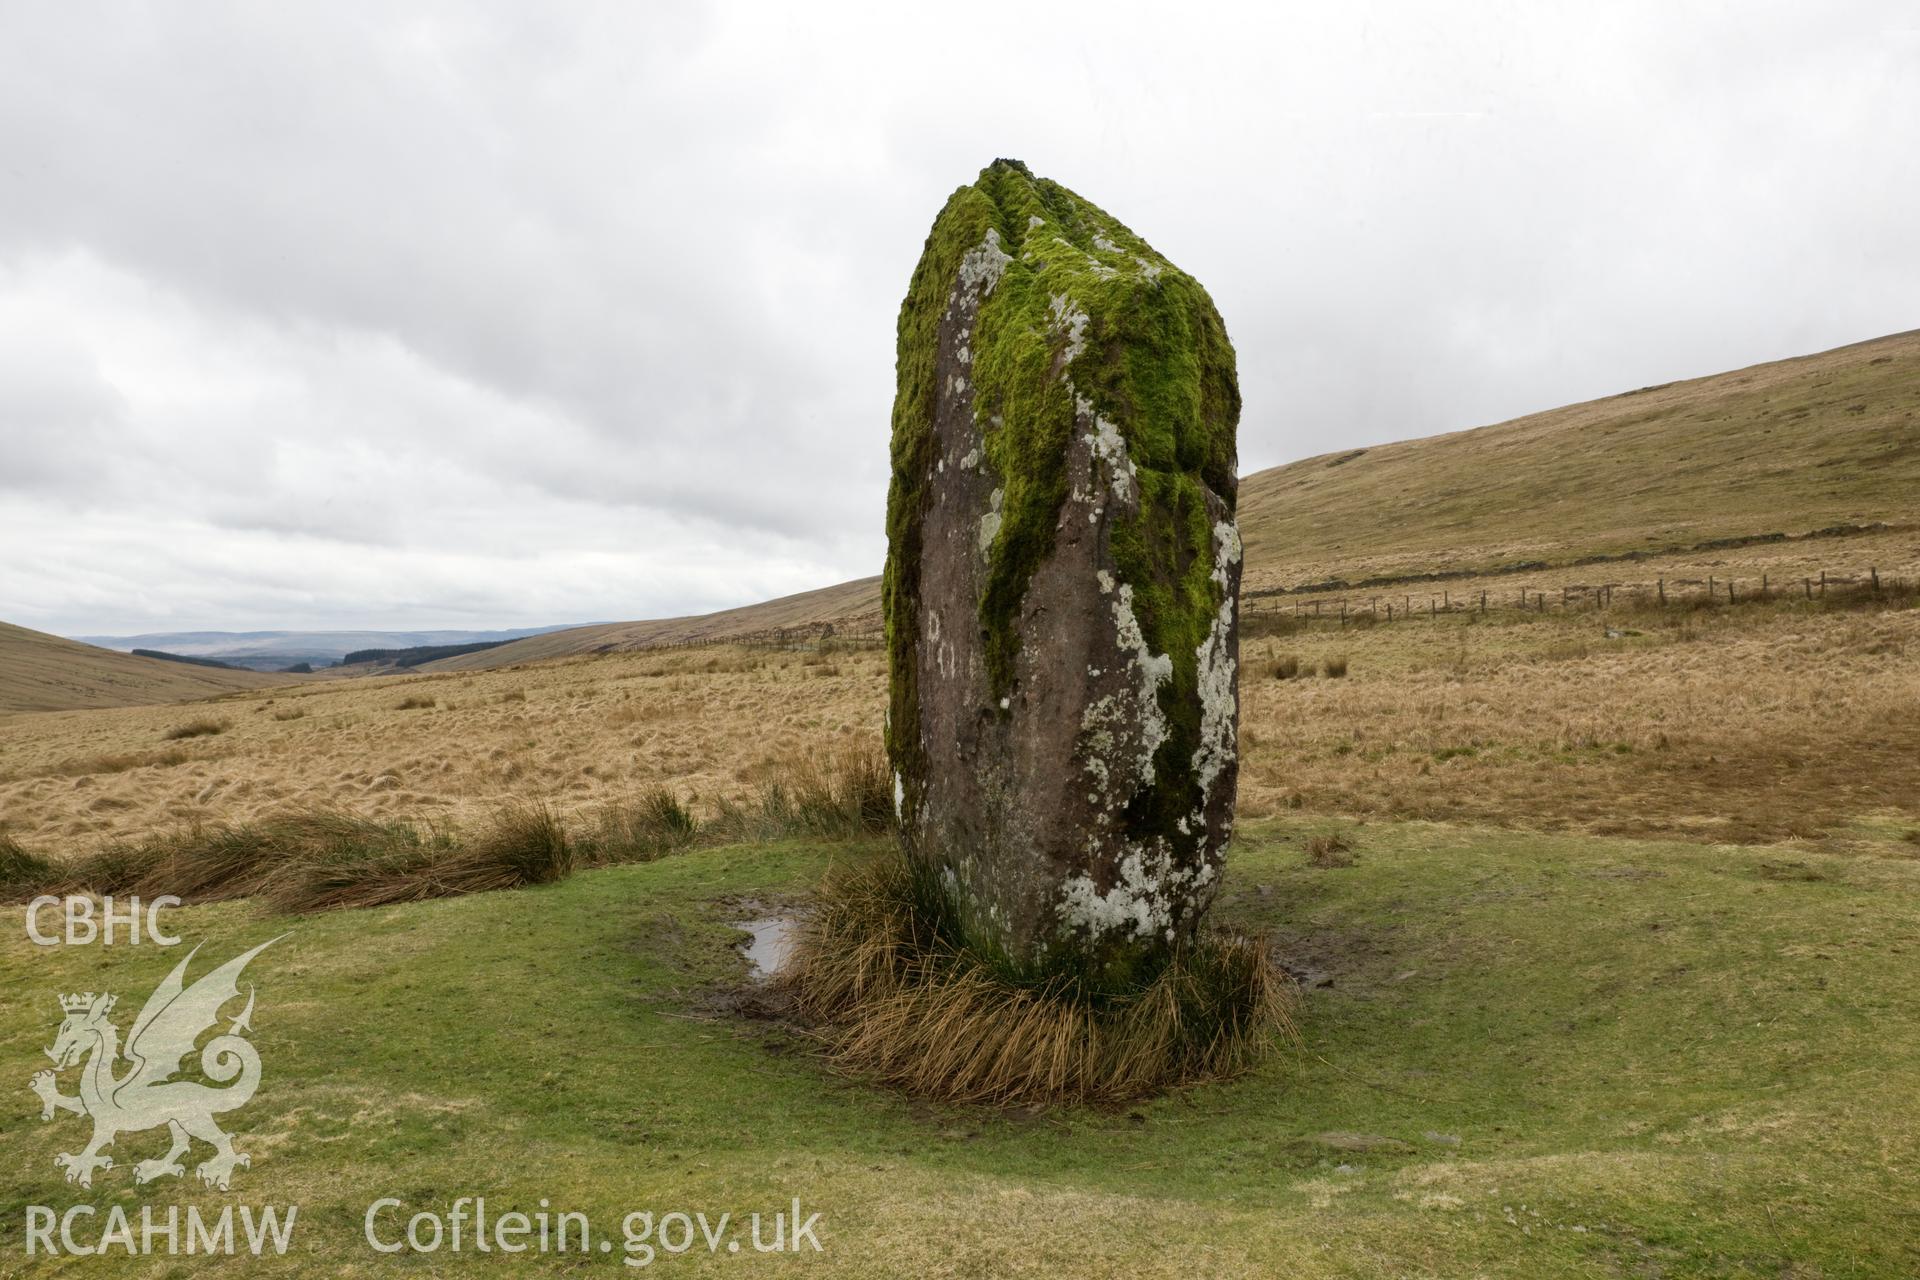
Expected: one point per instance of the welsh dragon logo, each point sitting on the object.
(146, 1095)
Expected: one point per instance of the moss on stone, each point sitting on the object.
(960, 226)
(1155, 361)
(1086, 328)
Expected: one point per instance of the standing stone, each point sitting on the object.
(1063, 573)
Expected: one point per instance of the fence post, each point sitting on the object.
(1663, 592)
(1389, 613)
(1483, 604)
(1823, 582)
(1808, 583)
(1730, 598)
(1876, 580)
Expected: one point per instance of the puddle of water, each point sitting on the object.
(770, 945)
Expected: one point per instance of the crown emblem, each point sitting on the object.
(83, 1001)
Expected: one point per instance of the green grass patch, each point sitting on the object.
(1522, 1056)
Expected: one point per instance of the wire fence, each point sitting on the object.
(1660, 593)
(811, 637)
(1262, 610)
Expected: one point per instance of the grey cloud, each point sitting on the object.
(457, 313)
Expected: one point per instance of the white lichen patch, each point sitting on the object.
(1137, 904)
(1105, 245)
(1111, 448)
(1149, 271)
(1218, 705)
(1217, 702)
(990, 522)
(1072, 321)
(982, 266)
(1226, 550)
(1153, 670)
(1148, 896)
(1121, 732)
(899, 795)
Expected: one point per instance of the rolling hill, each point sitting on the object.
(1789, 447)
(39, 672)
(1793, 446)
(854, 605)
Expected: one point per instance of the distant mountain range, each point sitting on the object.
(278, 650)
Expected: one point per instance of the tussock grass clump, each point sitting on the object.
(202, 728)
(199, 864)
(1334, 667)
(309, 861)
(1285, 667)
(290, 713)
(900, 1002)
(120, 867)
(375, 864)
(22, 874)
(1329, 850)
(654, 825)
(414, 702)
(848, 793)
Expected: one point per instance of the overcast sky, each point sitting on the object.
(344, 315)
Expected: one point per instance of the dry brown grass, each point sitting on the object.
(1754, 723)
(205, 727)
(1730, 727)
(1328, 850)
(522, 845)
(579, 735)
(900, 1003)
(308, 861)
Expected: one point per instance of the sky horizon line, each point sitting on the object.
(481, 626)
